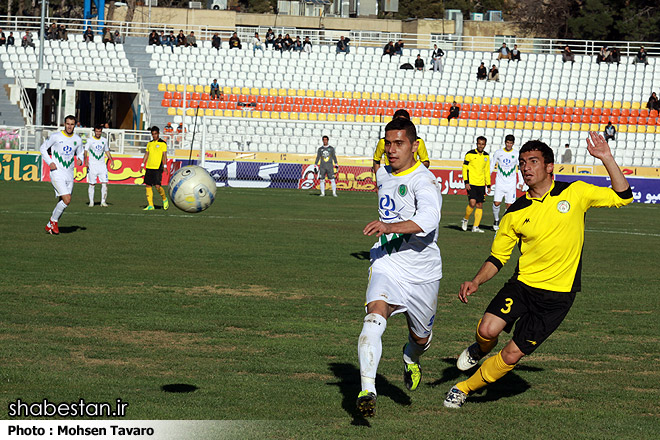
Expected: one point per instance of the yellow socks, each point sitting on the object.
(161, 191)
(468, 212)
(477, 217)
(491, 370)
(150, 196)
(485, 345)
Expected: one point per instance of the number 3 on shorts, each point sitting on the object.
(508, 302)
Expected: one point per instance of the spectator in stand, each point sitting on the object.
(641, 57)
(235, 42)
(3, 39)
(27, 40)
(287, 43)
(278, 44)
(10, 39)
(604, 55)
(615, 56)
(515, 53)
(436, 57)
(388, 49)
(342, 45)
(153, 39)
(88, 35)
(482, 73)
(610, 131)
(398, 47)
(567, 156)
(493, 74)
(307, 45)
(191, 40)
(297, 45)
(167, 40)
(181, 39)
(216, 41)
(567, 55)
(52, 32)
(503, 52)
(654, 103)
(168, 131)
(62, 33)
(256, 44)
(270, 38)
(107, 37)
(216, 93)
(453, 111)
(116, 37)
(419, 63)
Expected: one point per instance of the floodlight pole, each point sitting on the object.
(40, 85)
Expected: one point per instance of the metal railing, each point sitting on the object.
(26, 105)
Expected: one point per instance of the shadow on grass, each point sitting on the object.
(363, 255)
(510, 385)
(70, 229)
(454, 227)
(178, 388)
(349, 387)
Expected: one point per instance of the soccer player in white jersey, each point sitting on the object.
(66, 150)
(96, 149)
(505, 162)
(406, 267)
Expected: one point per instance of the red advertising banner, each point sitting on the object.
(124, 170)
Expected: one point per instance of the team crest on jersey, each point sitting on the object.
(563, 206)
(403, 190)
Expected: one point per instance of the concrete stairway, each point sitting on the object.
(10, 112)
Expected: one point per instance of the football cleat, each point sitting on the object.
(104, 205)
(52, 228)
(149, 208)
(91, 204)
(496, 225)
(455, 398)
(477, 229)
(412, 374)
(166, 204)
(469, 358)
(464, 224)
(366, 403)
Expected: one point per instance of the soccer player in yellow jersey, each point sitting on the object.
(547, 224)
(476, 175)
(155, 158)
(421, 154)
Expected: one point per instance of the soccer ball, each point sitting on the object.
(192, 189)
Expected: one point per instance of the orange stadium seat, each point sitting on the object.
(529, 117)
(193, 103)
(270, 100)
(286, 108)
(644, 113)
(559, 111)
(252, 99)
(277, 107)
(653, 114)
(231, 106)
(261, 99)
(577, 111)
(473, 115)
(222, 105)
(213, 105)
(429, 105)
(279, 100)
(549, 110)
(308, 101)
(548, 118)
(206, 97)
(305, 108)
(598, 111)
(587, 111)
(203, 104)
(585, 119)
(616, 112)
(501, 116)
(634, 112)
(437, 114)
(167, 95)
(232, 98)
(196, 96)
(177, 95)
(651, 121)
(566, 118)
(607, 112)
(427, 113)
(165, 102)
(492, 116)
(259, 107)
(575, 118)
(295, 108)
(510, 116)
(568, 111)
(419, 104)
(289, 100)
(323, 109)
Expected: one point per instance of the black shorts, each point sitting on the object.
(477, 193)
(538, 312)
(153, 177)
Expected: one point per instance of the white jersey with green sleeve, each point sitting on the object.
(96, 149)
(413, 195)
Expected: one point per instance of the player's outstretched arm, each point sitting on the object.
(488, 270)
(379, 228)
(600, 149)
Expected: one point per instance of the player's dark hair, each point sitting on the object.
(325, 137)
(401, 113)
(397, 124)
(537, 145)
(482, 138)
(510, 137)
(71, 117)
(98, 127)
(154, 128)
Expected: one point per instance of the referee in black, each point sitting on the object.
(547, 224)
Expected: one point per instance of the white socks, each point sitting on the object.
(496, 212)
(370, 349)
(413, 350)
(57, 212)
(322, 187)
(334, 187)
(90, 192)
(104, 192)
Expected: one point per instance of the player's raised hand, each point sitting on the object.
(598, 146)
(467, 289)
(377, 227)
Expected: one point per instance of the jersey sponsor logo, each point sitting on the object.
(386, 204)
(403, 190)
(526, 221)
(65, 163)
(563, 206)
(531, 342)
(394, 243)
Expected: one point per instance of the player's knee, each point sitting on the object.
(420, 341)
(488, 330)
(511, 354)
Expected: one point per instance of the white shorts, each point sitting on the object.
(63, 184)
(417, 301)
(94, 174)
(507, 192)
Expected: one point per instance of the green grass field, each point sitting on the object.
(256, 305)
